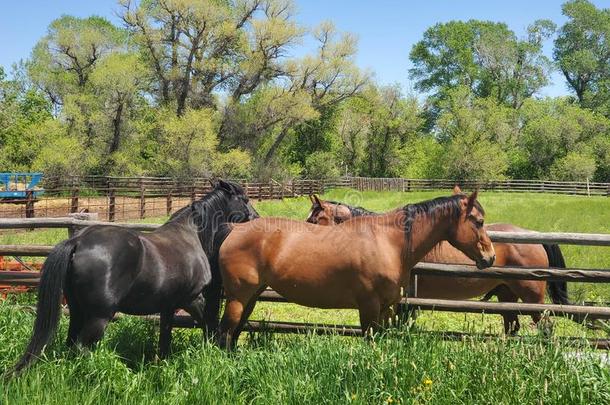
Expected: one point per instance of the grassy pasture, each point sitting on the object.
(399, 368)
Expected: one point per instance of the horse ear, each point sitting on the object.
(317, 200)
(311, 198)
(472, 198)
(457, 190)
(213, 183)
(225, 186)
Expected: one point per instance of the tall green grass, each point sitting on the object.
(397, 368)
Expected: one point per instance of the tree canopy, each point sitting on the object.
(184, 88)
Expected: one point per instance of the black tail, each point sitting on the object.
(49, 301)
(558, 290)
(212, 293)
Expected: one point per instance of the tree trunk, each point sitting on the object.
(116, 125)
(276, 144)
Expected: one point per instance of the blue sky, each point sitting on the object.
(386, 29)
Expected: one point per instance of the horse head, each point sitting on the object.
(238, 207)
(468, 233)
(327, 212)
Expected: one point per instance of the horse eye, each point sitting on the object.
(480, 223)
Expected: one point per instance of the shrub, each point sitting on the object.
(575, 166)
(322, 165)
(235, 164)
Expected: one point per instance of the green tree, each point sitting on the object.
(575, 166)
(582, 51)
(196, 48)
(553, 128)
(485, 57)
(476, 133)
(22, 110)
(63, 60)
(322, 165)
(117, 84)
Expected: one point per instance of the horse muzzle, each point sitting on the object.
(486, 262)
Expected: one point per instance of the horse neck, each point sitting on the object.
(425, 234)
(212, 232)
(209, 228)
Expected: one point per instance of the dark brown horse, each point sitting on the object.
(459, 288)
(362, 263)
(108, 269)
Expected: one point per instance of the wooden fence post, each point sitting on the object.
(260, 192)
(168, 203)
(111, 203)
(74, 200)
(29, 204)
(142, 199)
(193, 192)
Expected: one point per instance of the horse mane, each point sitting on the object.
(354, 210)
(433, 209)
(204, 214)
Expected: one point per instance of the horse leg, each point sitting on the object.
(246, 314)
(511, 320)
(196, 309)
(387, 316)
(213, 299)
(76, 317)
(230, 320)
(531, 292)
(76, 325)
(92, 331)
(369, 312)
(165, 332)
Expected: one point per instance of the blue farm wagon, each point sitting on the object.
(14, 187)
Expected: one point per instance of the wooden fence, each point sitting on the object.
(25, 278)
(530, 186)
(122, 198)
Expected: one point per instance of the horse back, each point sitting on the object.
(284, 254)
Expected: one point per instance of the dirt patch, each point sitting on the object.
(125, 207)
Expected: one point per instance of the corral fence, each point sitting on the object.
(411, 301)
(124, 198)
(530, 186)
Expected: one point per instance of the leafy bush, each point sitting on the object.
(235, 164)
(61, 155)
(575, 166)
(421, 159)
(322, 165)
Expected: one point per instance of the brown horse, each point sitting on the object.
(459, 288)
(362, 263)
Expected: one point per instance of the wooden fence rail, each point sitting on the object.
(568, 238)
(533, 186)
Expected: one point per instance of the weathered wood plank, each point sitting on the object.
(25, 250)
(31, 223)
(590, 239)
(519, 273)
(507, 307)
